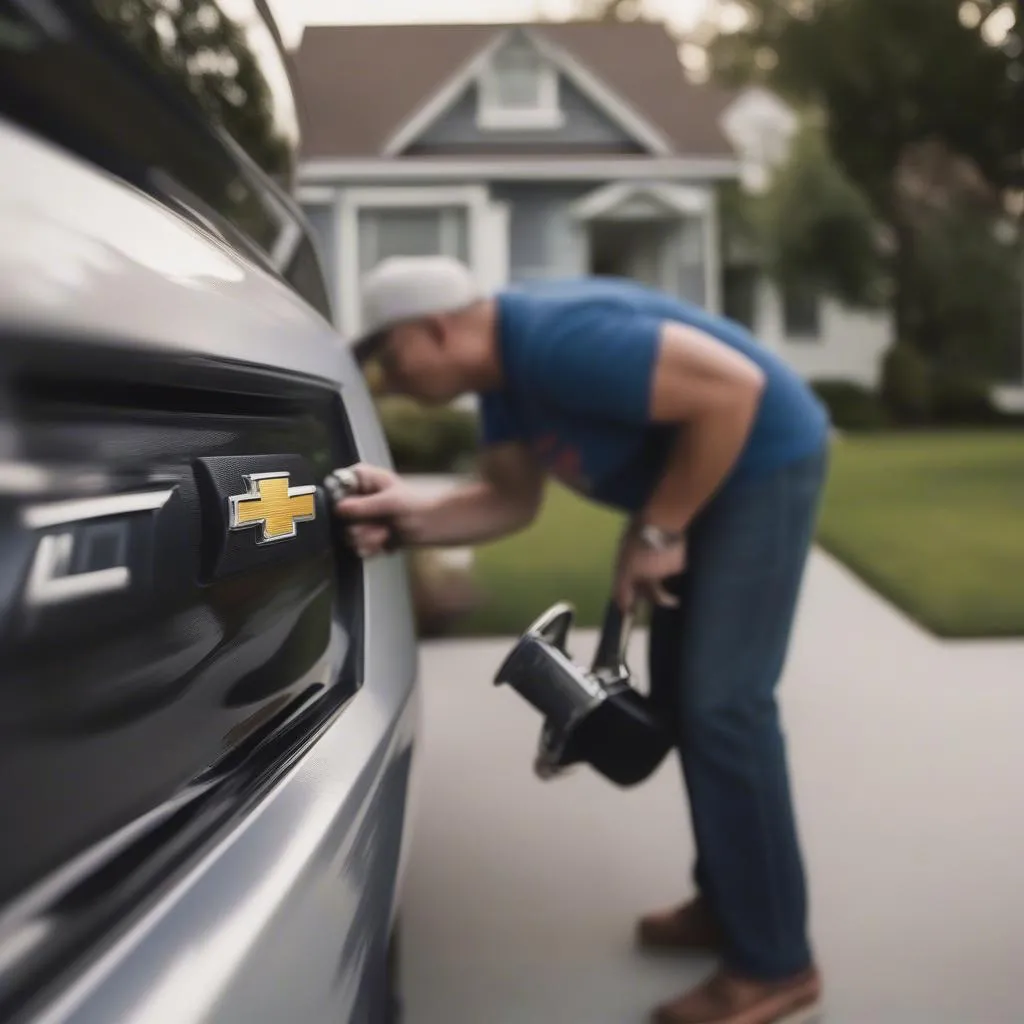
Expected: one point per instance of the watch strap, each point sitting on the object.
(658, 539)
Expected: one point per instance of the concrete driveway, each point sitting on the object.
(908, 764)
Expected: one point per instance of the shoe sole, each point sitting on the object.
(811, 1014)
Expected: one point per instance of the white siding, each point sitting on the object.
(850, 347)
(544, 241)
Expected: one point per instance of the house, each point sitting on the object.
(544, 150)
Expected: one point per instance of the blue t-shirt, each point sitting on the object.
(578, 360)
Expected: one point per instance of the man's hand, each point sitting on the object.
(641, 571)
(384, 507)
(504, 500)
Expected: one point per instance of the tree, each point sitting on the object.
(813, 225)
(816, 228)
(892, 75)
(964, 263)
(610, 10)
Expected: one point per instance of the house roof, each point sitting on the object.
(359, 84)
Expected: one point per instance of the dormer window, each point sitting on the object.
(518, 90)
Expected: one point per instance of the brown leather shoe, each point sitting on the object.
(690, 928)
(728, 999)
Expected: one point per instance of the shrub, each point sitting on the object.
(851, 406)
(428, 440)
(959, 399)
(907, 385)
(442, 594)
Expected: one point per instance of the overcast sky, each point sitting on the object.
(293, 14)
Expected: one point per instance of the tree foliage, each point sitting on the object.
(902, 193)
(965, 268)
(925, 116)
(817, 228)
(609, 10)
(889, 74)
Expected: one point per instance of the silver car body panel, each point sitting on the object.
(273, 923)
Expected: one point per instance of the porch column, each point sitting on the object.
(691, 259)
(712, 254)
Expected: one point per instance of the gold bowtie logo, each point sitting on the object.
(272, 505)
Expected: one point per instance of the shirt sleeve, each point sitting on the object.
(601, 362)
(497, 424)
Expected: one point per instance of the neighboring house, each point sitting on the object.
(550, 150)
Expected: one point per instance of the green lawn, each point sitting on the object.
(933, 521)
(565, 556)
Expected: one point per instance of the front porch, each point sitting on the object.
(662, 232)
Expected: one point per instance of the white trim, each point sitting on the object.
(315, 195)
(492, 116)
(626, 116)
(493, 266)
(474, 198)
(712, 255)
(443, 100)
(679, 200)
(425, 169)
(432, 195)
(614, 106)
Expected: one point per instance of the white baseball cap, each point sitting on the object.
(407, 287)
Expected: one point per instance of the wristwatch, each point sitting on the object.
(657, 539)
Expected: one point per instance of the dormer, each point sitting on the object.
(518, 89)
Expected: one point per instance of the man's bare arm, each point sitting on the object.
(503, 501)
(713, 393)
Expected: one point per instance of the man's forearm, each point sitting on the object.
(471, 514)
(701, 457)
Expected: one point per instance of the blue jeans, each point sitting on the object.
(714, 665)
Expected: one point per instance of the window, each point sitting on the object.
(517, 79)
(801, 312)
(374, 224)
(519, 89)
(412, 231)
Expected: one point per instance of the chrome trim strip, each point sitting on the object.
(48, 580)
(27, 479)
(37, 517)
(23, 924)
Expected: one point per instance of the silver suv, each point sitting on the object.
(207, 704)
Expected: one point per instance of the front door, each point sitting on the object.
(665, 254)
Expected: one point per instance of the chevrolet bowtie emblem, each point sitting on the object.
(271, 505)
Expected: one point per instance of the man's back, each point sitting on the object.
(600, 334)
